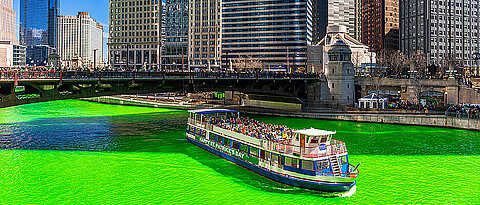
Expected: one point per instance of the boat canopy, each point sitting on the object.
(314, 132)
(210, 111)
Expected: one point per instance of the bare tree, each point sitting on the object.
(356, 59)
(398, 61)
(420, 61)
(238, 64)
(252, 64)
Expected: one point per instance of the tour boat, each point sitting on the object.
(306, 158)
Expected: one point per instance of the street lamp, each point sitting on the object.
(95, 58)
(476, 57)
(293, 62)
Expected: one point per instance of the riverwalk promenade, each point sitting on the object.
(401, 118)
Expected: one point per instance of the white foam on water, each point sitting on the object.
(349, 193)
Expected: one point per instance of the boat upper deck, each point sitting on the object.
(252, 127)
(309, 143)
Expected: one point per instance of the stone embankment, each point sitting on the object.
(417, 119)
(401, 119)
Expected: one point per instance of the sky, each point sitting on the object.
(98, 10)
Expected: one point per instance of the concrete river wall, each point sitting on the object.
(402, 119)
(389, 118)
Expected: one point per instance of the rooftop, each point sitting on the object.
(314, 132)
(209, 111)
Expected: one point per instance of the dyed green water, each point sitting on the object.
(80, 152)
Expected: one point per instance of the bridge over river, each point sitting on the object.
(22, 87)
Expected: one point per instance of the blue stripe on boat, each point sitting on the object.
(327, 187)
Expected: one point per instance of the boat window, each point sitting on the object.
(275, 158)
(324, 139)
(314, 140)
(307, 165)
(322, 164)
(254, 151)
(235, 145)
(198, 132)
(292, 162)
(227, 142)
(342, 160)
(204, 133)
(244, 148)
(267, 156)
(212, 137)
(188, 129)
(220, 139)
(262, 154)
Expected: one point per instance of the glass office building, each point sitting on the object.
(174, 51)
(266, 34)
(38, 21)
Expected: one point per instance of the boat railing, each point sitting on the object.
(344, 175)
(353, 173)
(335, 147)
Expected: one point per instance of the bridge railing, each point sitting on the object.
(21, 75)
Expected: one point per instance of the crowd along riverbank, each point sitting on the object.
(369, 117)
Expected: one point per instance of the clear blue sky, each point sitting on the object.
(98, 10)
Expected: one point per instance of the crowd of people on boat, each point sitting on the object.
(252, 127)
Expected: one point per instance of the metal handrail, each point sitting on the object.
(20, 75)
(338, 146)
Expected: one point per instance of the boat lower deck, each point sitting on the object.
(323, 183)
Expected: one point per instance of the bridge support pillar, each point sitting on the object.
(451, 95)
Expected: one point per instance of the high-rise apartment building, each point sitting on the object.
(7, 22)
(358, 20)
(38, 21)
(204, 40)
(337, 12)
(175, 39)
(135, 35)
(272, 34)
(442, 30)
(79, 37)
(380, 24)
(11, 54)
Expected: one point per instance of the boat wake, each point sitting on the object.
(349, 193)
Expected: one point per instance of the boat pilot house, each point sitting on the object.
(307, 158)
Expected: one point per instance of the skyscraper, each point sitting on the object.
(204, 40)
(337, 12)
(443, 30)
(380, 24)
(38, 21)
(135, 33)
(79, 36)
(11, 54)
(273, 34)
(175, 40)
(7, 22)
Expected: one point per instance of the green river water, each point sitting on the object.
(76, 152)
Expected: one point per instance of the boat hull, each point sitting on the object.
(319, 186)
